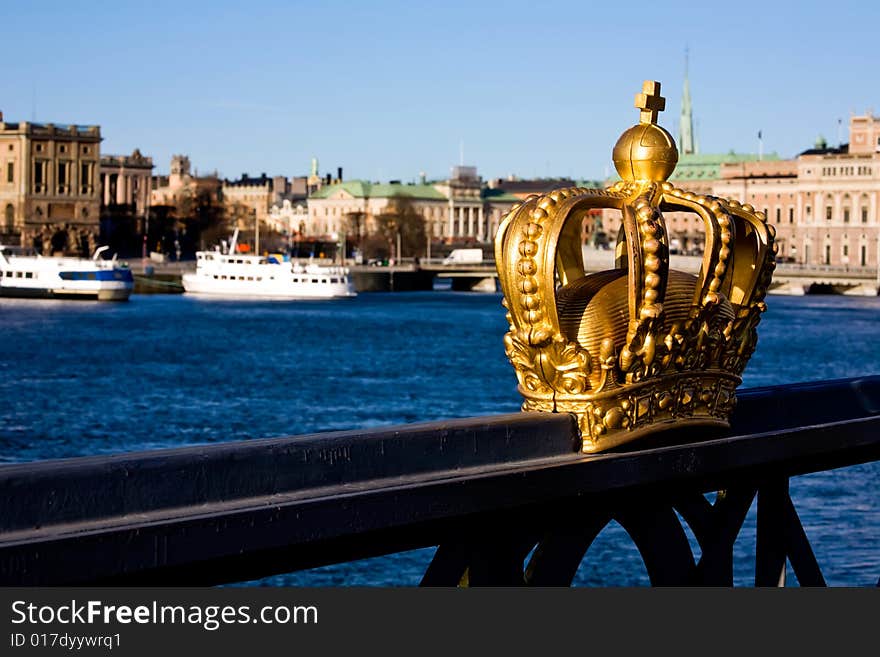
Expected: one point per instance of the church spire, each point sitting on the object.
(686, 127)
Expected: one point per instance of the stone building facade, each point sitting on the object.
(288, 217)
(249, 199)
(461, 208)
(180, 183)
(125, 182)
(49, 187)
(697, 173)
(168, 190)
(824, 203)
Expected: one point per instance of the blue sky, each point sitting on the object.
(389, 89)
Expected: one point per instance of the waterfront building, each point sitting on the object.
(699, 173)
(522, 188)
(167, 190)
(823, 203)
(180, 184)
(461, 208)
(592, 229)
(696, 171)
(49, 192)
(249, 198)
(288, 218)
(125, 182)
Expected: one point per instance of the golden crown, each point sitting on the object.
(641, 346)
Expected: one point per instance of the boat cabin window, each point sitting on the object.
(29, 274)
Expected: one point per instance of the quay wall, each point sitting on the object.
(165, 278)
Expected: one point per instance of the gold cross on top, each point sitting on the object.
(650, 102)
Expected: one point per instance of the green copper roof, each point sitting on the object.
(364, 189)
(411, 191)
(707, 166)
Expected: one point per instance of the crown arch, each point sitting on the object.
(637, 346)
(716, 256)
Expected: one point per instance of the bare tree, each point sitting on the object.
(402, 223)
(355, 224)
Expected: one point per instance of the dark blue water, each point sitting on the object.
(86, 378)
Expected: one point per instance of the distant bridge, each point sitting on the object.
(465, 276)
(789, 278)
(792, 278)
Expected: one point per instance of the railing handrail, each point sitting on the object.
(326, 498)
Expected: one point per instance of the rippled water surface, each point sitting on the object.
(87, 378)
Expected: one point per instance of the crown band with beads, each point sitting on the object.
(638, 347)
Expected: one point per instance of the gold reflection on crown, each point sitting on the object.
(641, 346)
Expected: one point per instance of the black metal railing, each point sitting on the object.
(507, 499)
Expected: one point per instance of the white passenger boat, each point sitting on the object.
(39, 276)
(232, 274)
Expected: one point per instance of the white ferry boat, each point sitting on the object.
(239, 275)
(37, 276)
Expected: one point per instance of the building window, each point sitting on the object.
(778, 215)
(846, 215)
(828, 212)
(40, 170)
(10, 217)
(38, 148)
(827, 254)
(791, 215)
(85, 178)
(63, 179)
(10, 172)
(863, 257)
